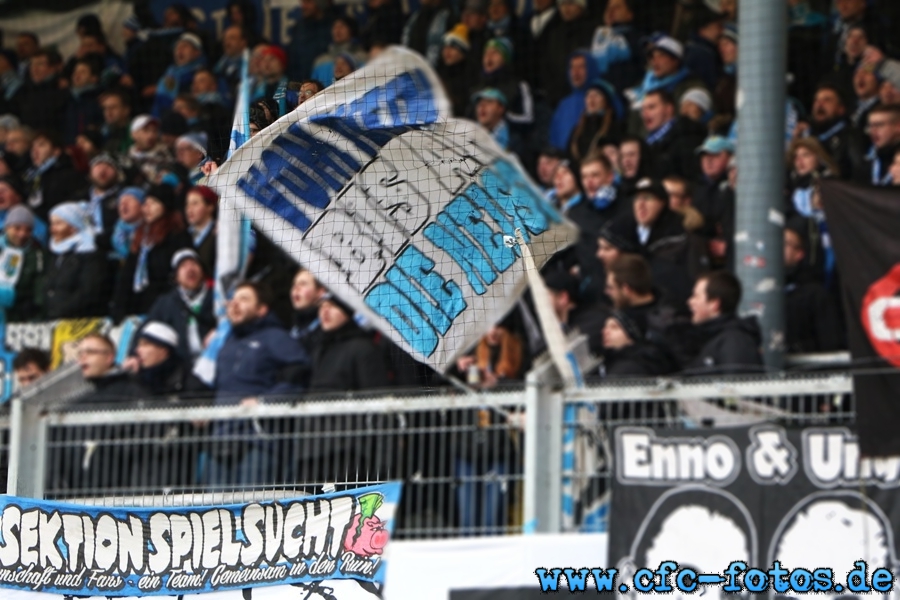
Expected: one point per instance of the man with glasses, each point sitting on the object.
(884, 131)
(97, 359)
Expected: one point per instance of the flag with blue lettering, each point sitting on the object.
(406, 213)
(232, 238)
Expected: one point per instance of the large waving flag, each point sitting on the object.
(405, 213)
(233, 237)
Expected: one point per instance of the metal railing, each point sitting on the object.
(468, 466)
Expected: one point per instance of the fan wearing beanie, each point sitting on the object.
(77, 277)
(188, 59)
(146, 273)
(627, 352)
(22, 268)
(452, 67)
(161, 369)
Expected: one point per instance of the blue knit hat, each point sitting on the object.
(73, 213)
(137, 192)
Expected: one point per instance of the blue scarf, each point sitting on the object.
(174, 74)
(122, 236)
(210, 98)
(80, 243)
(604, 197)
(660, 133)
(199, 236)
(501, 135)
(141, 270)
(652, 82)
(833, 131)
(34, 173)
(10, 82)
(802, 199)
(610, 46)
(877, 177)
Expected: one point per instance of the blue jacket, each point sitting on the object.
(252, 359)
(569, 109)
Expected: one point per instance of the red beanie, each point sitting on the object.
(209, 196)
(277, 52)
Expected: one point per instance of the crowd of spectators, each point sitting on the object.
(623, 111)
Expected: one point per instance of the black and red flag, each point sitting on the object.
(864, 225)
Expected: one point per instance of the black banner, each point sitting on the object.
(705, 498)
(864, 227)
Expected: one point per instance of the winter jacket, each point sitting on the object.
(383, 25)
(562, 41)
(171, 309)
(424, 31)
(570, 108)
(641, 359)
(309, 39)
(159, 270)
(59, 183)
(730, 345)
(305, 328)
(702, 58)
(253, 358)
(77, 285)
(674, 153)
(456, 85)
(843, 143)
(28, 304)
(41, 105)
(83, 114)
(812, 320)
(347, 360)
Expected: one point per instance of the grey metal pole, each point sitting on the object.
(762, 64)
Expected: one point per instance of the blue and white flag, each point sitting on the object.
(404, 212)
(232, 238)
(225, 551)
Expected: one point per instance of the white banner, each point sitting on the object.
(405, 213)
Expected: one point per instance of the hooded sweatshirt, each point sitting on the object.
(569, 110)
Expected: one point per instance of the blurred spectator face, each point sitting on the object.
(233, 42)
(647, 209)
(630, 158)
(594, 102)
(309, 9)
(18, 236)
(197, 211)
(691, 111)
(103, 175)
(152, 210)
(888, 94)
(331, 317)
(492, 60)
(171, 18)
(542, 5)
(655, 112)
(235, 15)
(595, 176)
(147, 137)
(614, 337)
(678, 196)
(729, 8)
(714, 165)
(497, 10)
(115, 112)
(728, 50)
(149, 354)
(307, 91)
(256, 58)
(883, 129)
(82, 76)
(895, 169)
(827, 106)
(87, 147)
(130, 210)
(41, 151)
(18, 142)
(188, 156)
(578, 71)
(244, 307)
(185, 109)
(95, 358)
(341, 68)
(617, 12)
(39, 69)
(189, 275)
(204, 82)
(663, 64)
(270, 67)
(865, 84)
(8, 196)
(616, 292)
(564, 183)
(28, 374)
(452, 55)
(805, 162)
(474, 20)
(856, 43)
(305, 291)
(489, 113)
(561, 303)
(702, 308)
(25, 47)
(60, 230)
(340, 33)
(850, 9)
(90, 45)
(569, 11)
(546, 167)
(185, 52)
(606, 252)
(793, 249)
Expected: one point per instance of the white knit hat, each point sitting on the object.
(160, 333)
(700, 97)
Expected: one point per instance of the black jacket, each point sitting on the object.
(843, 143)
(642, 359)
(456, 84)
(812, 319)
(347, 360)
(60, 183)
(159, 269)
(729, 345)
(172, 378)
(675, 154)
(77, 285)
(171, 309)
(41, 105)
